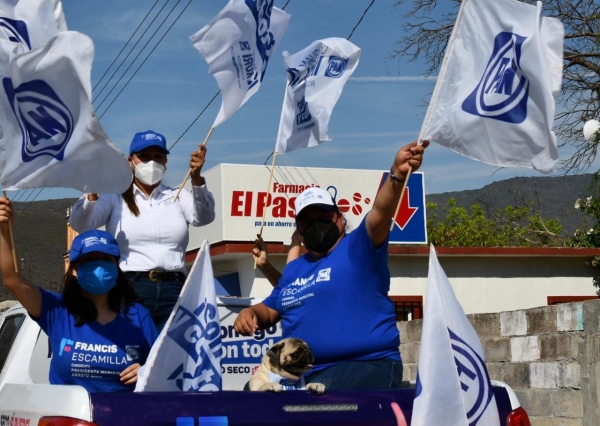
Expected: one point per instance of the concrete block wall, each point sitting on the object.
(550, 356)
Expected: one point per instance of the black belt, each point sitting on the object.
(156, 275)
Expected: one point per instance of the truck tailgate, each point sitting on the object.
(260, 408)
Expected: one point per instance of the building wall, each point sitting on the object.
(550, 356)
(482, 283)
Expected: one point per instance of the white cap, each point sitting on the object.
(591, 131)
(315, 195)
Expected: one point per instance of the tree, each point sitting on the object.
(427, 28)
(512, 226)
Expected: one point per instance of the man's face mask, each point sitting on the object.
(320, 235)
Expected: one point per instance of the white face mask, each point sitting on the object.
(149, 173)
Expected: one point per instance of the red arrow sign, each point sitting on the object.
(406, 212)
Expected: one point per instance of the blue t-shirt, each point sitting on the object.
(93, 355)
(339, 304)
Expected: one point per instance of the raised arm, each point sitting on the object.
(384, 207)
(91, 211)
(204, 202)
(255, 317)
(26, 292)
(261, 256)
(295, 247)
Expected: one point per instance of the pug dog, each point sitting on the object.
(283, 368)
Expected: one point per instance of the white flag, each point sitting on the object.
(237, 44)
(31, 22)
(494, 97)
(316, 78)
(187, 354)
(50, 134)
(453, 385)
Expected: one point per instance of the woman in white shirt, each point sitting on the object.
(150, 227)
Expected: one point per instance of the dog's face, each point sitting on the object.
(290, 358)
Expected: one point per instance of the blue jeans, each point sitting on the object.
(159, 298)
(383, 373)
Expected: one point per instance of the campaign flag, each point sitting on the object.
(31, 22)
(316, 78)
(50, 134)
(494, 97)
(237, 45)
(453, 385)
(187, 354)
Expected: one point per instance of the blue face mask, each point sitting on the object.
(97, 276)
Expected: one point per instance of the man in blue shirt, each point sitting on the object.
(335, 296)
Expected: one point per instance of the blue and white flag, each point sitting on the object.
(453, 385)
(31, 22)
(50, 136)
(237, 45)
(494, 98)
(187, 354)
(316, 78)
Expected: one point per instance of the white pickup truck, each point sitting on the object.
(27, 399)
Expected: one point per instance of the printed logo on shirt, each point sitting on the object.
(132, 352)
(302, 281)
(65, 345)
(88, 347)
(324, 275)
(97, 353)
(166, 201)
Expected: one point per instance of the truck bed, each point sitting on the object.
(260, 408)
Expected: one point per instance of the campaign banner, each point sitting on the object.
(186, 355)
(30, 23)
(240, 191)
(237, 45)
(316, 78)
(494, 99)
(453, 385)
(242, 355)
(50, 134)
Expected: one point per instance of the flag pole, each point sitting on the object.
(434, 96)
(190, 170)
(262, 223)
(12, 240)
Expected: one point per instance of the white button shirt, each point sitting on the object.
(158, 237)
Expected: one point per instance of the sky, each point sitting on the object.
(381, 108)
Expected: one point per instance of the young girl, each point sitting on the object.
(99, 335)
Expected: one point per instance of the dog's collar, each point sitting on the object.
(287, 384)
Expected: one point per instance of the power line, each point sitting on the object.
(132, 35)
(30, 194)
(16, 195)
(34, 198)
(21, 196)
(153, 49)
(196, 119)
(360, 20)
(131, 51)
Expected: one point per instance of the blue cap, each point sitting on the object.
(143, 140)
(94, 241)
